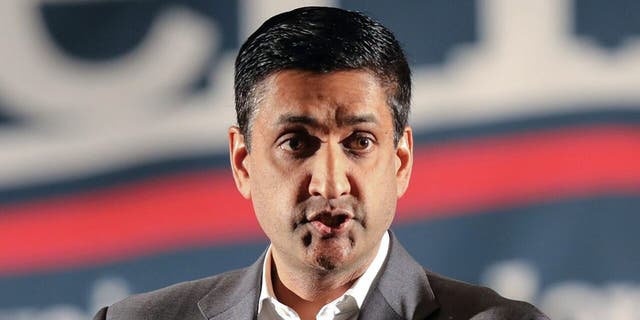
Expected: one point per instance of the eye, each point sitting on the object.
(359, 142)
(293, 144)
(299, 144)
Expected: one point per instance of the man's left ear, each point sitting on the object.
(404, 160)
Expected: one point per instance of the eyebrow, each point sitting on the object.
(348, 120)
(356, 119)
(294, 119)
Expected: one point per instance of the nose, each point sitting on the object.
(329, 173)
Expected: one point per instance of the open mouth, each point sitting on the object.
(330, 224)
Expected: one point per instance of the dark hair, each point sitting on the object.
(322, 39)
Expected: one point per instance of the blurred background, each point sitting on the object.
(113, 155)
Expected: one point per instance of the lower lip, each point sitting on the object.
(326, 230)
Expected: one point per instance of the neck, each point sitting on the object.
(307, 291)
(307, 299)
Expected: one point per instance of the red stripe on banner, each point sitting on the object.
(138, 219)
(485, 173)
(204, 208)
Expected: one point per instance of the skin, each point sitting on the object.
(324, 177)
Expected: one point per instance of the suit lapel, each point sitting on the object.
(376, 307)
(235, 296)
(402, 290)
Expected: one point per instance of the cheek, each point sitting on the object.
(272, 215)
(273, 193)
(266, 174)
(379, 191)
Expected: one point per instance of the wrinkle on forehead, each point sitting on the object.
(340, 98)
(341, 119)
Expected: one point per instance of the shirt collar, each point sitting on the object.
(358, 290)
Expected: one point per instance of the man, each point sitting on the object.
(323, 150)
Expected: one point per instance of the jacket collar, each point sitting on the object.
(235, 295)
(402, 291)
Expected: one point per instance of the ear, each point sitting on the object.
(239, 156)
(404, 161)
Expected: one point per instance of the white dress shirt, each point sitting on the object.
(345, 307)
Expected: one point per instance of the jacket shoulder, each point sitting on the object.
(461, 300)
(178, 301)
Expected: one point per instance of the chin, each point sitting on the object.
(327, 263)
(332, 257)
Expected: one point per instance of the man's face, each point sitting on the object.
(323, 173)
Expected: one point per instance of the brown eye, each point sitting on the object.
(359, 142)
(362, 143)
(299, 145)
(293, 144)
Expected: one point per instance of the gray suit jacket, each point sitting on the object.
(403, 290)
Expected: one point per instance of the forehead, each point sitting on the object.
(332, 96)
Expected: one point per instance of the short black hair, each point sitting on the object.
(322, 40)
